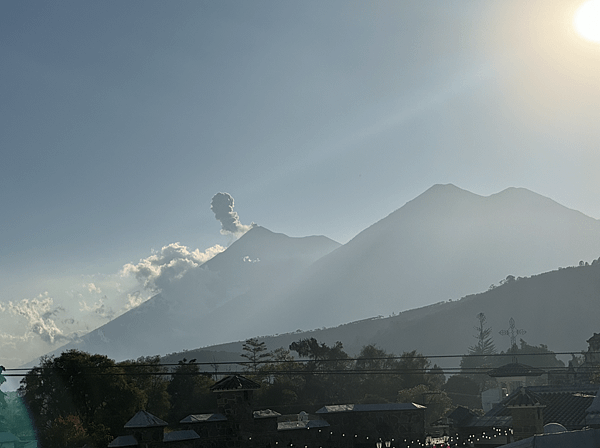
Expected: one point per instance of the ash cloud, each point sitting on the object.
(222, 206)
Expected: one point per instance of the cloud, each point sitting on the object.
(159, 270)
(99, 308)
(93, 288)
(41, 315)
(222, 206)
(133, 300)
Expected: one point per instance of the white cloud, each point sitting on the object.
(99, 308)
(41, 315)
(133, 300)
(93, 288)
(171, 263)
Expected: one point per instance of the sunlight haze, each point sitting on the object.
(123, 121)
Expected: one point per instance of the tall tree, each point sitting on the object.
(92, 388)
(256, 353)
(480, 355)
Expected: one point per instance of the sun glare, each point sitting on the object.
(587, 20)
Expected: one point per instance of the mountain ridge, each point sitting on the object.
(444, 244)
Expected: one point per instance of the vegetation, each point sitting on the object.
(78, 398)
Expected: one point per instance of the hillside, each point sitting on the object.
(557, 308)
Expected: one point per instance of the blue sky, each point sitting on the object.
(121, 120)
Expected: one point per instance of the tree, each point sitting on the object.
(480, 355)
(189, 391)
(91, 388)
(413, 368)
(463, 391)
(66, 431)
(485, 345)
(319, 388)
(256, 353)
(149, 375)
(373, 386)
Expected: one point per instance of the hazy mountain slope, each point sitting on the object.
(259, 261)
(444, 244)
(558, 308)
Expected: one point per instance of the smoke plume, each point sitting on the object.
(222, 206)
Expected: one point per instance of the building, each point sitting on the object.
(237, 425)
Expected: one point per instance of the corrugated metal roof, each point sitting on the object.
(201, 418)
(524, 397)
(234, 382)
(595, 406)
(175, 436)
(144, 419)
(566, 405)
(369, 407)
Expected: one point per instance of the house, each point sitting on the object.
(145, 430)
(237, 425)
(585, 438)
(526, 411)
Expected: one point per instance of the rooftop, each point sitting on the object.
(201, 418)
(144, 419)
(369, 407)
(234, 382)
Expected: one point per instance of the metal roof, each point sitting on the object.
(369, 407)
(144, 419)
(201, 418)
(123, 441)
(586, 438)
(175, 436)
(566, 405)
(286, 426)
(524, 397)
(515, 369)
(234, 382)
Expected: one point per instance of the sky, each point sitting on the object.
(122, 120)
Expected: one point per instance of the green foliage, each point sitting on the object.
(480, 356)
(189, 390)
(92, 388)
(148, 375)
(531, 355)
(66, 431)
(318, 387)
(256, 353)
(463, 391)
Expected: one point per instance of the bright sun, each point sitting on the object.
(587, 20)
